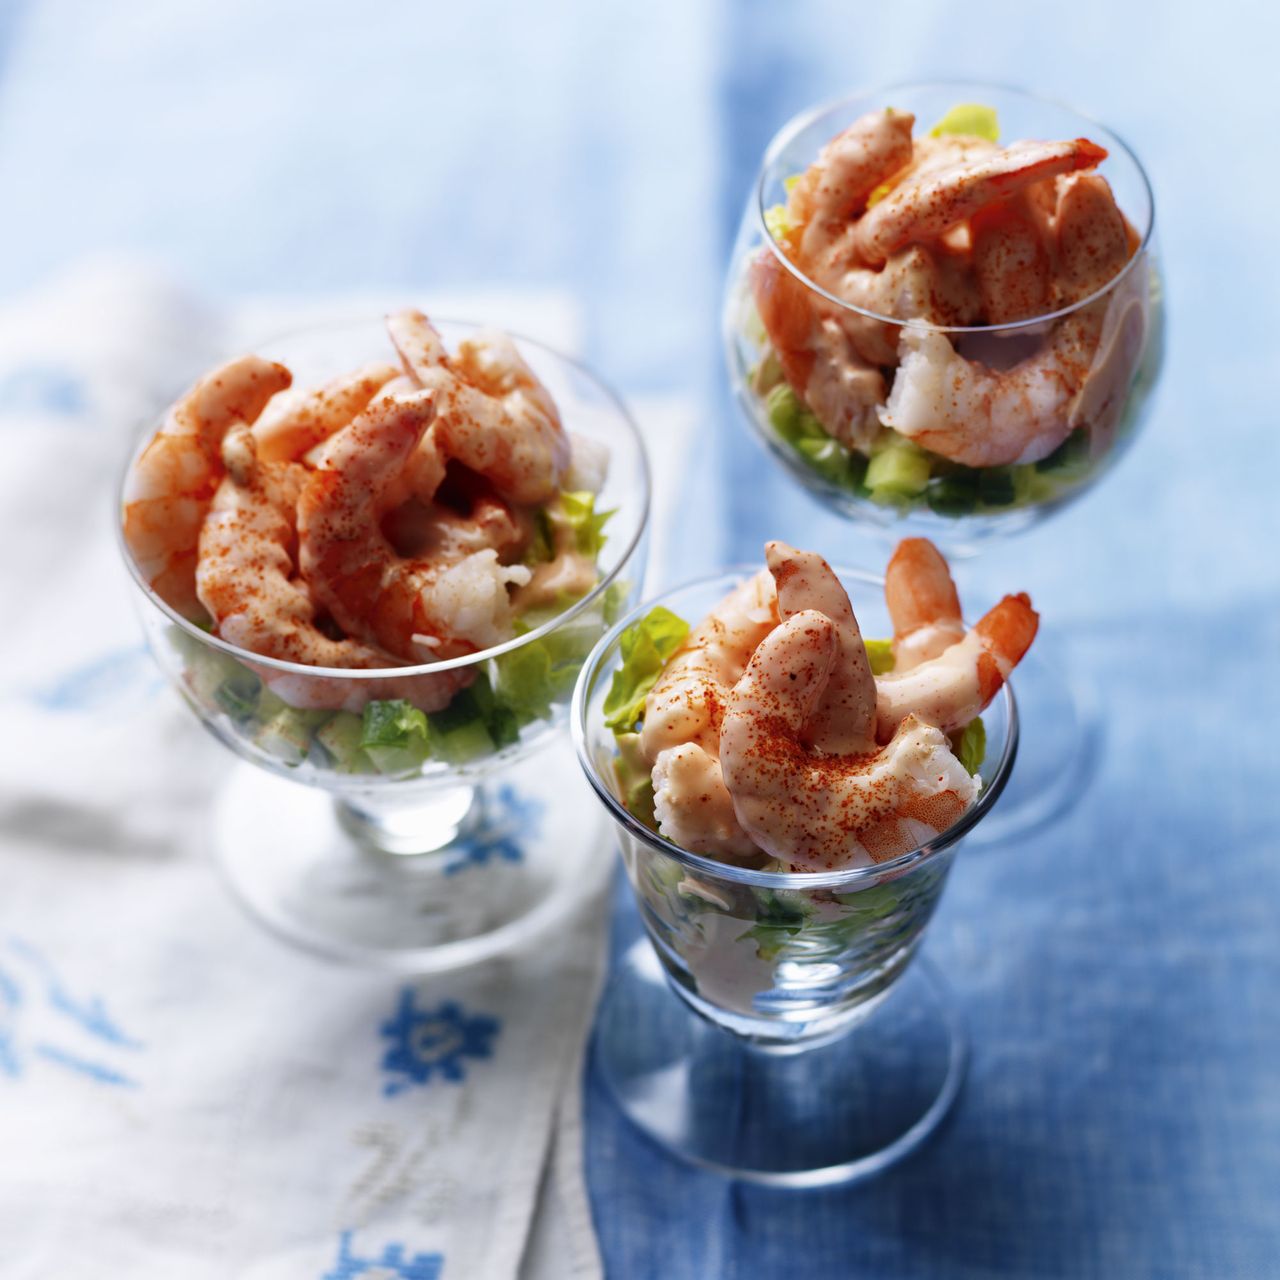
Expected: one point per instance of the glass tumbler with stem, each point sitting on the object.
(777, 1027)
(459, 842)
(890, 486)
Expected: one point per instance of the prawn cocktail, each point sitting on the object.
(400, 515)
(821, 778)
(938, 321)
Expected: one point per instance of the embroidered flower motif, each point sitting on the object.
(512, 816)
(47, 994)
(433, 1041)
(392, 1265)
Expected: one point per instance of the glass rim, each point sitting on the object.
(803, 119)
(416, 669)
(792, 880)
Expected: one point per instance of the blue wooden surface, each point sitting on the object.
(1120, 973)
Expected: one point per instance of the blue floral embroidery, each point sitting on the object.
(428, 1041)
(392, 1265)
(42, 388)
(512, 816)
(88, 1015)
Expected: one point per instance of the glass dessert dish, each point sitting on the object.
(808, 1044)
(887, 440)
(384, 833)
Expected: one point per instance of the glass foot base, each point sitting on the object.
(500, 864)
(838, 1112)
(1058, 746)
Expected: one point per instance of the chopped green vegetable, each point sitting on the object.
(645, 648)
(879, 655)
(767, 374)
(784, 408)
(523, 681)
(953, 495)
(802, 430)
(341, 737)
(286, 732)
(970, 745)
(971, 119)
(395, 736)
(897, 470)
(615, 599)
(635, 779)
(789, 184)
(996, 487)
(776, 221)
(1072, 452)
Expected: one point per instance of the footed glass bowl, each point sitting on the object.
(422, 837)
(892, 483)
(808, 1044)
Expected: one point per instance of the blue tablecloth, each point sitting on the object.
(1120, 972)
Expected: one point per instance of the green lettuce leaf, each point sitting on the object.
(394, 735)
(645, 649)
(970, 745)
(577, 511)
(879, 655)
(971, 119)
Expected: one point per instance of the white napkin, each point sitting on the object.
(179, 1093)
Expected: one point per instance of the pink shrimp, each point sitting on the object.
(926, 207)
(247, 579)
(923, 603)
(170, 487)
(295, 423)
(818, 811)
(493, 415)
(404, 605)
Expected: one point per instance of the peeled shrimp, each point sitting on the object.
(843, 717)
(493, 415)
(983, 416)
(848, 169)
(407, 606)
(818, 811)
(171, 485)
(295, 423)
(923, 603)
(951, 689)
(681, 732)
(819, 358)
(246, 578)
(685, 703)
(931, 203)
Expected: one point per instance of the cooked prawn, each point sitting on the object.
(493, 415)
(170, 486)
(819, 358)
(686, 702)
(953, 688)
(402, 604)
(293, 424)
(984, 416)
(247, 579)
(837, 186)
(843, 719)
(929, 205)
(693, 807)
(923, 603)
(818, 811)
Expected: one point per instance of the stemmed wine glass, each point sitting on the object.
(412, 841)
(807, 1043)
(892, 487)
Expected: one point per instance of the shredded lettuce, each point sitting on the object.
(635, 779)
(970, 745)
(879, 655)
(969, 118)
(811, 440)
(776, 221)
(577, 511)
(645, 649)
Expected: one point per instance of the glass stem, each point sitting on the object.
(406, 827)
